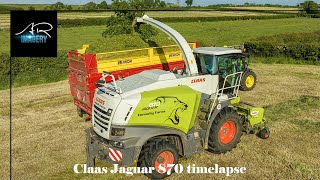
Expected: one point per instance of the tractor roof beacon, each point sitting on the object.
(155, 117)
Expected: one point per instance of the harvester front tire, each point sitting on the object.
(248, 81)
(225, 131)
(158, 152)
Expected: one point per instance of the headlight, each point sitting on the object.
(117, 131)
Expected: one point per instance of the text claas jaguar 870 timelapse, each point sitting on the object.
(155, 117)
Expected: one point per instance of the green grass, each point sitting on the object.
(33, 78)
(280, 60)
(207, 33)
(303, 105)
(49, 136)
(36, 6)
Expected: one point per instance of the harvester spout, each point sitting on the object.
(187, 54)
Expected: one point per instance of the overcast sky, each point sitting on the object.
(195, 2)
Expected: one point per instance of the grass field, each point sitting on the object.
(5, 18)
(36, 6)
(264, 8)
(49, 137)
(207, 33)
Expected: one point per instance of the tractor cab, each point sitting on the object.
(225, 62)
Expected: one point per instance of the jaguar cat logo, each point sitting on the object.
(179, 107)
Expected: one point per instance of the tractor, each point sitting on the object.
(225, 61)
(153, 118)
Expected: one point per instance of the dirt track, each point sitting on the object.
(49, 135)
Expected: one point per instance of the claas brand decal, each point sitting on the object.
(100, 101)
(198, 80)
(162, 108)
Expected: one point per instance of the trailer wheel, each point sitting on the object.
(225, 131)
(156, 153)
(80, 112)
(249, 80)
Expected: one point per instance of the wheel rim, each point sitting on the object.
(164, 158)
(227, 132)
(249, 81)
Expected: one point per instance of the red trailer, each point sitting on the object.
(86, 69)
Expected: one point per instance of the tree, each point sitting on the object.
(31, 8)
(163, 4)
(189, 2)
(68, 7)
(157, 3)
(103, 5)
(57, 6)
(149, 3)
(123, 22)
(90, 6)
(309, 7)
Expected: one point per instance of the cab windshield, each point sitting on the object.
(207, 64)
(229, 64)
(222, 65)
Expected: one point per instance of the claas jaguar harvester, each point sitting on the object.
(155, 117)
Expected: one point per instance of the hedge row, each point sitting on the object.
(27, 64)
(102, 21)
(29, 71)
(300, 46)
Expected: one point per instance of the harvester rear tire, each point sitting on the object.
(225, 131)
(248, 81)
(158, 152)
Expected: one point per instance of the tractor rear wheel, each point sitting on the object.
(225, 131)
(158, 153)
(248, 81)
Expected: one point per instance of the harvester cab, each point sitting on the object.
(154, 117)
(224, 62)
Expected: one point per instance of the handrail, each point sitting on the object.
(105, 75)
(236, 86)
(220, 91)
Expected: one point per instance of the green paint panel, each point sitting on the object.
(256, 115)
(174, 107)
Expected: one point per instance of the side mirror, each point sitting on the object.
(100, 83)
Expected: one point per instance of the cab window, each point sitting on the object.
(207, 64)
(229, 64)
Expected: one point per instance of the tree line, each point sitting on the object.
(149, 4)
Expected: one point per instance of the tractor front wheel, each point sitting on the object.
(225, 131)
(158, 154)
(248, 81)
